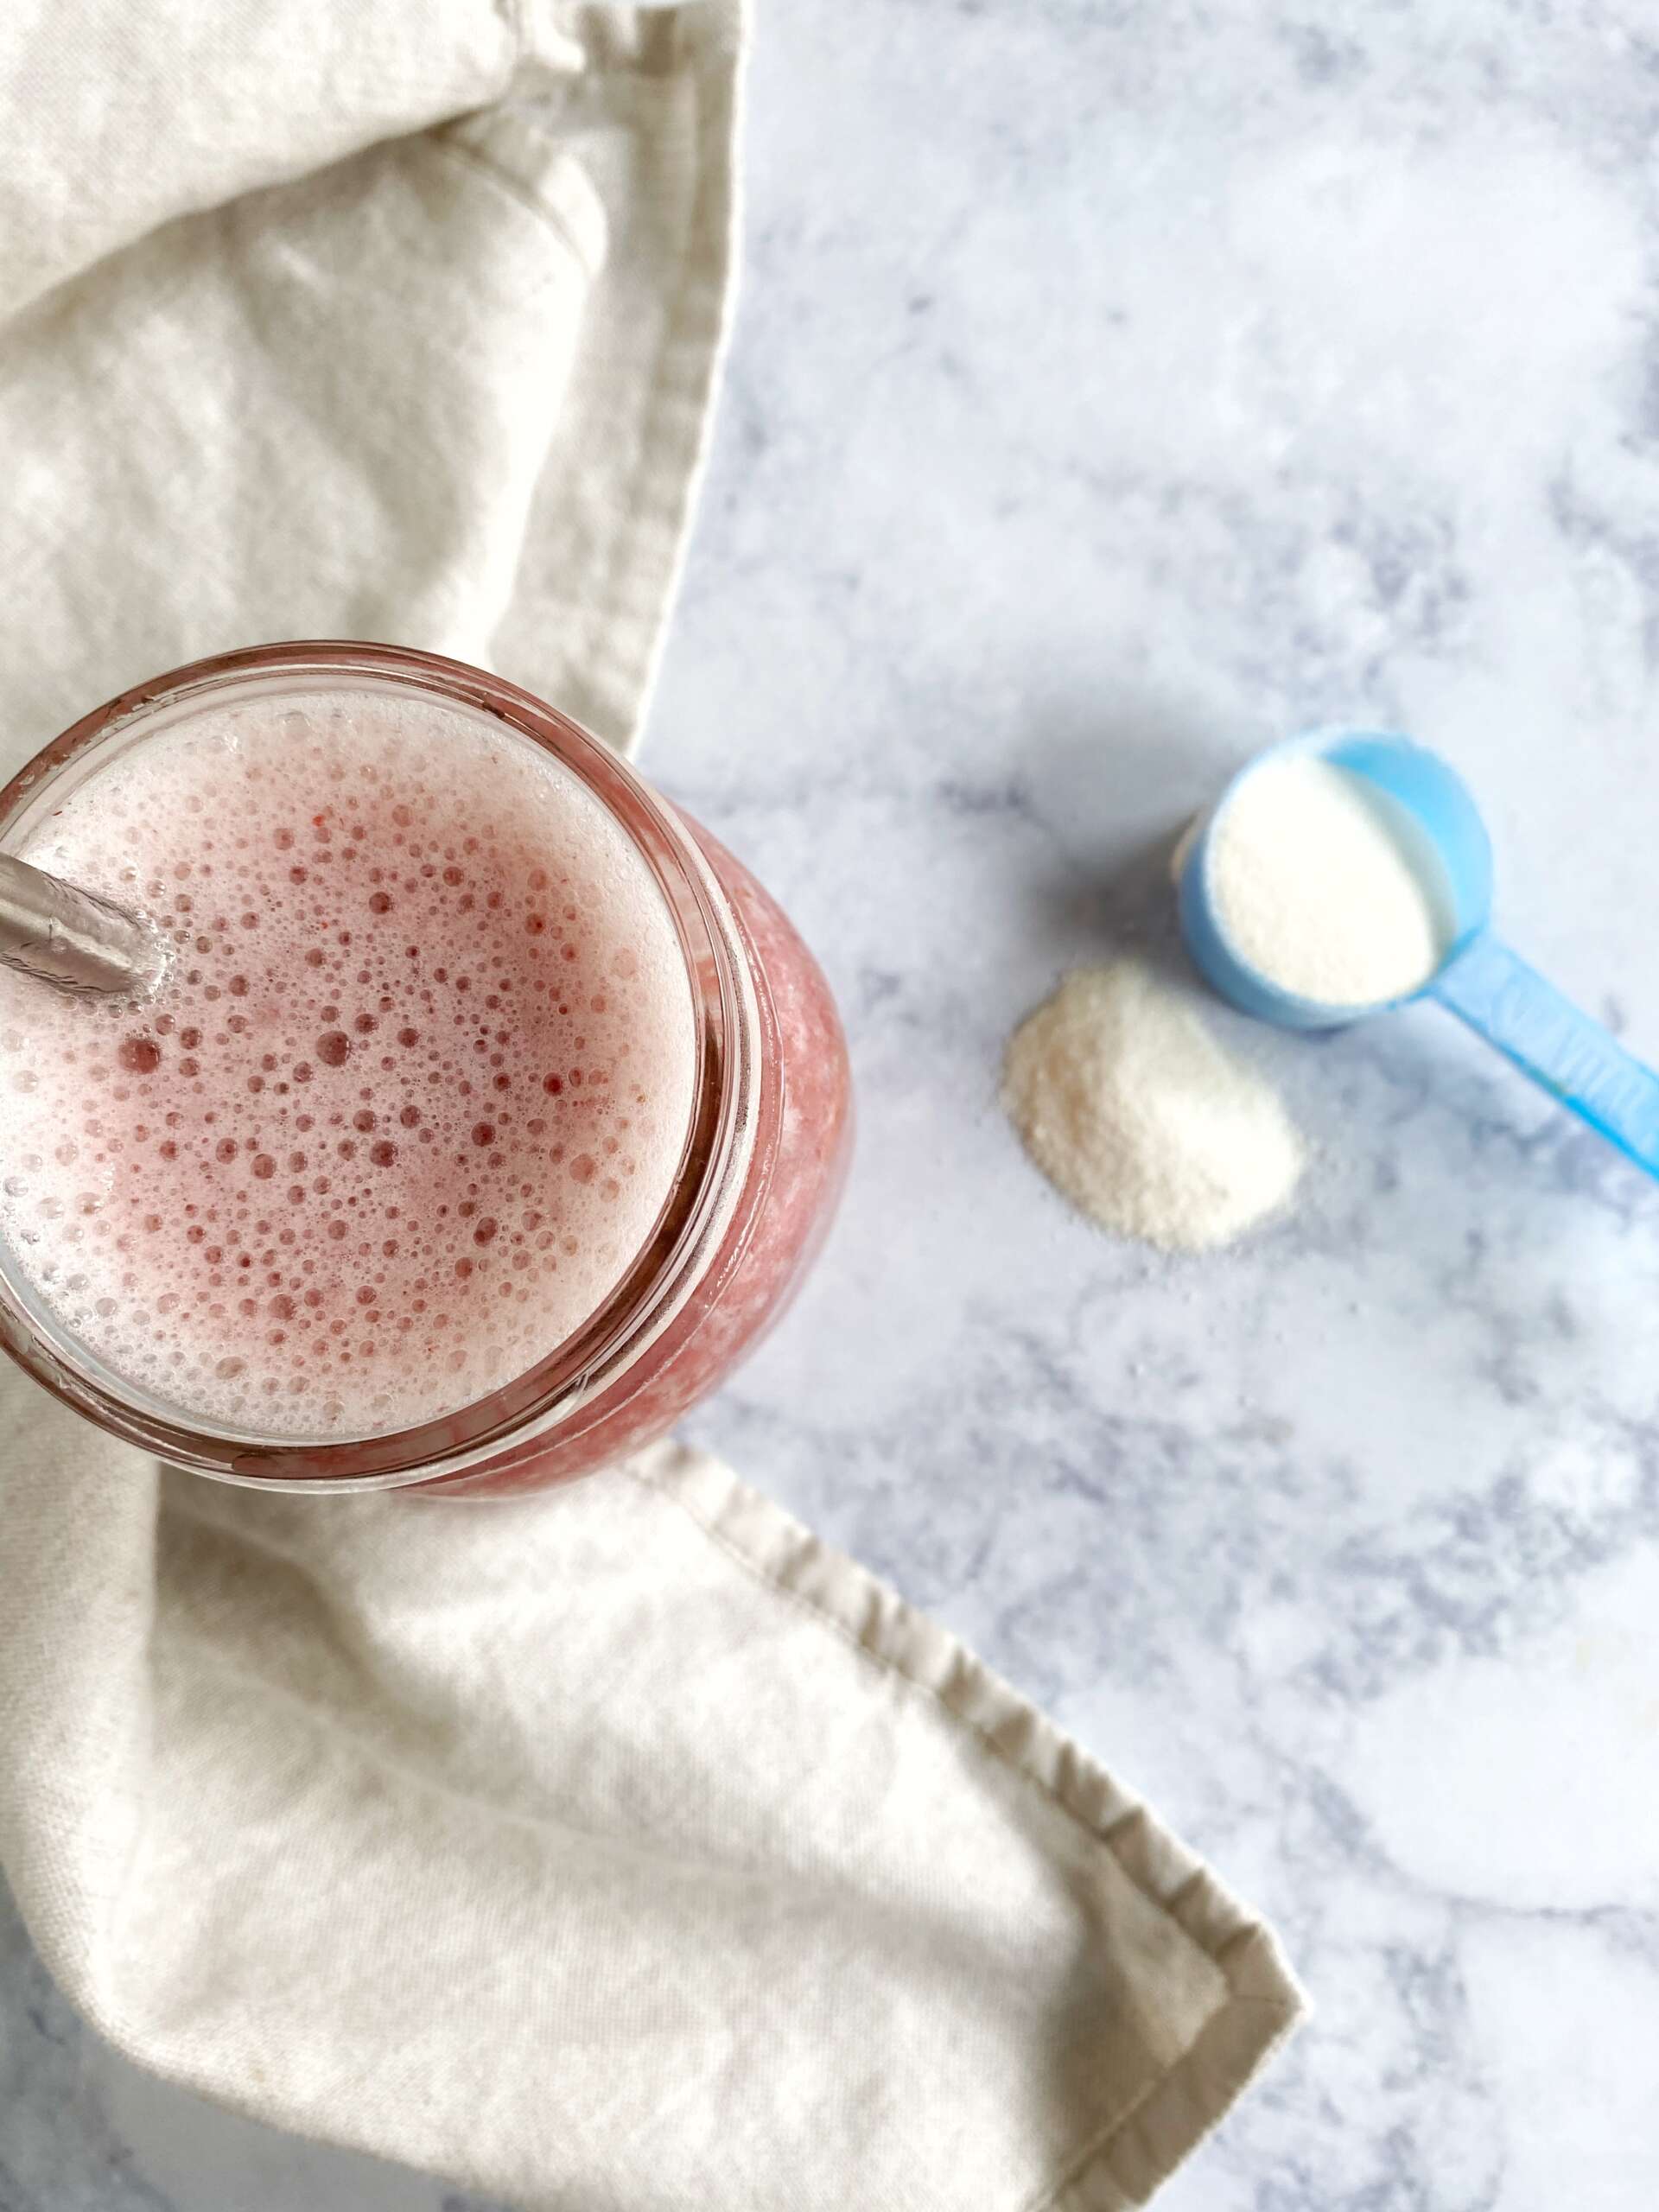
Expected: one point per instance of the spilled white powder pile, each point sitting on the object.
(1130, 1107)
(1325, 886)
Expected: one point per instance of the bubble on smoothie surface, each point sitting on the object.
(413, 1093)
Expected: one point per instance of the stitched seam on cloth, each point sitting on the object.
(1099, 2145)
(1050, 2192)
(621, 564)
(1231, 2082)
(510, 187)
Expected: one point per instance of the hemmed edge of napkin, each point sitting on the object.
(679, 430)
(633, 578)
(1141, 2147)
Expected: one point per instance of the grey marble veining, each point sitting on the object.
(1119, 386)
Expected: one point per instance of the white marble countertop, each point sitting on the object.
(1120, 386)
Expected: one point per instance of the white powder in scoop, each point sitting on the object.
(1130, 1107)
(1325, 886)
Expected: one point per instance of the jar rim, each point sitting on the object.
(661, 1273)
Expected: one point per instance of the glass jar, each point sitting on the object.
(760, 1170)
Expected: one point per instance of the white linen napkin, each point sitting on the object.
(622, 1847)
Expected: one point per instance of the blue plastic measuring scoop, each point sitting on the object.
(1485, 984)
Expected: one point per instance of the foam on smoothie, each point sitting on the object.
(411, 1098)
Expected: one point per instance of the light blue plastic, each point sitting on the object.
(1484, 984)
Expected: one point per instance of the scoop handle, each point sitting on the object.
(1556, 1043)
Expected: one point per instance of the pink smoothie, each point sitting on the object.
(410, 1100)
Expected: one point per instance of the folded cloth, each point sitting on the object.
(622, 1847)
